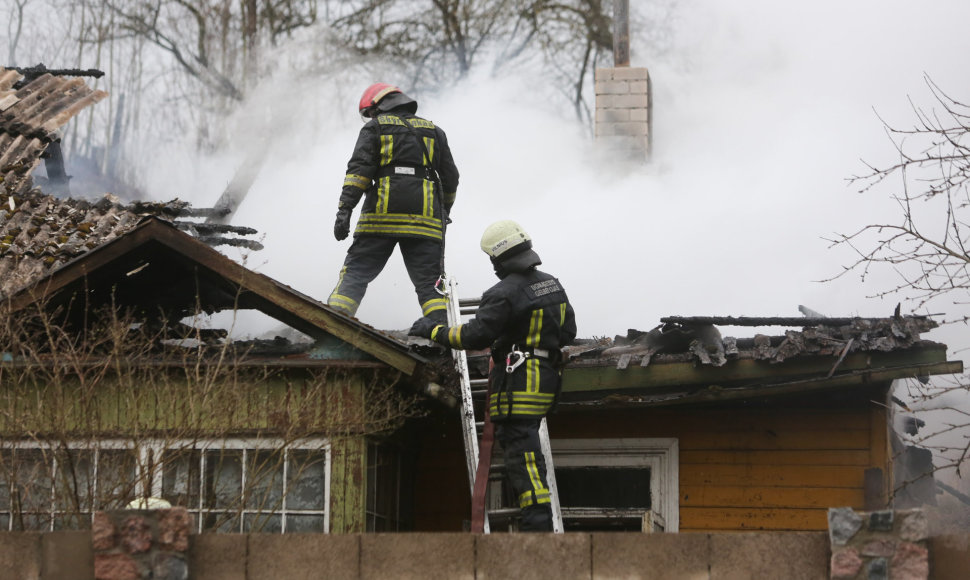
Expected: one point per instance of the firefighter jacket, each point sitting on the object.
(390, 169)
(526, 312)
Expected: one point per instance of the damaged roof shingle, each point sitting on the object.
(30, 117)
(41, 232)
(698, 339)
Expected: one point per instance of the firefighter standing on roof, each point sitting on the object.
(527, 319)
(403, 168)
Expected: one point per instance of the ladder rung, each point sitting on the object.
(470, 301)
(479, 382)
(479, 425)
(504, 512)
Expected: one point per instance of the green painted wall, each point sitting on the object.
(343, 405)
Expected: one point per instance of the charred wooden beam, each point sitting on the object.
(582, 376)
(32, 72)
(954, 492)
(239, 187)
(204, 212)
(771, 320)
(235, 242)
(203, 229)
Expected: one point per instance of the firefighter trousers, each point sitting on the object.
(368, 255)
(527, 471)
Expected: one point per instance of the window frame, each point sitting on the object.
(148, 451)
(660, 455)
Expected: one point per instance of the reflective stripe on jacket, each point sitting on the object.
(389, 168)
(531, 311)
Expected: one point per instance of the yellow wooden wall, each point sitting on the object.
(772, 465)
(777, 467)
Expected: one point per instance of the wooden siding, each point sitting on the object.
(348, 474)
(770, 467)
(289, 404)
(169, 403)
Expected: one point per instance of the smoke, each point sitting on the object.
(761, 113)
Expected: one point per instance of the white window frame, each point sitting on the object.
(660, 455)
(149, 448)
(245, 445)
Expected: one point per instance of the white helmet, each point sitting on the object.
(502, 236)
(506, 243)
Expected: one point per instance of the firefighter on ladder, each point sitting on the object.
(527, 319)
(403, 168)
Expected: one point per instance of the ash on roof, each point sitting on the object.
(698, 338)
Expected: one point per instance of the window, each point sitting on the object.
(238, 485)
(616, 484)
(383, 489)
(43, 488)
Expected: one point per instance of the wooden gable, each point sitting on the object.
(158, 268)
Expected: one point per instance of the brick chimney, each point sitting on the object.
(623, 103)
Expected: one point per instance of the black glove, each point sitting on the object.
(341, 227)
(422, 327)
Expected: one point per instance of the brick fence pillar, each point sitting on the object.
(138, 544)
(623, 111)
(879, 545)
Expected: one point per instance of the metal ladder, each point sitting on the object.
(478, 433)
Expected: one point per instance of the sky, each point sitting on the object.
(762, 110)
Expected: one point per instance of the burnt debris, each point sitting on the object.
(698, 339)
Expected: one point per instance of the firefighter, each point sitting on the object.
(403, 168)
(527, 319)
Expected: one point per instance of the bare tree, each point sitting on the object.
(434, 41)
(128, 406)
(440, 41)
(15, 27)
(574, 36)
(929, 249)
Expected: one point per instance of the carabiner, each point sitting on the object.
(439, 286)
(520, 358)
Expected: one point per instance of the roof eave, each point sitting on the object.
(277, 300)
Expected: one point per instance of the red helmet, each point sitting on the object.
(373, 95)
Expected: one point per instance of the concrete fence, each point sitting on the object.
(69, 556)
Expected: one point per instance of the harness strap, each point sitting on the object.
(441, 197)
(422, 171)
(551, 355)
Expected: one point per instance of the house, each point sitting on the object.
(676, 429)
(339, 427)
(122, 395)
(679, 429)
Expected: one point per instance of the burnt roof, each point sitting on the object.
(170, 273)
(40, 233)
(687, 361)
(30, 116)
